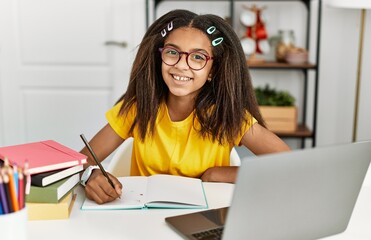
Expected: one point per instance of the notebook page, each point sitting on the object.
(169, 191)
(133, 196)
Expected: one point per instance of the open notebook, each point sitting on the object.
(303, 194)
(157, 191)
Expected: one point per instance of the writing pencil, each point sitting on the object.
(12, 189)
(1, 208)
(7, 192)
(96, 159)
(15, 176)
(21, 189)
(3, 197)
(27, 177)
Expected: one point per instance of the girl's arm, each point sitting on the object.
(258, 140)
(97, 187)
(103, 144)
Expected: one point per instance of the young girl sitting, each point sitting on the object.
(189, 101)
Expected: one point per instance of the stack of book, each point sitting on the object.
(54, 170)
(53, 201)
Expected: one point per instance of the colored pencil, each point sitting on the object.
(7, 191)
(27, 177)
(15, 177)
(1, 208)
(4, 202)
(21, 189)
(12, 190)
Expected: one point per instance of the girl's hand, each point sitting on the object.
(100, 190)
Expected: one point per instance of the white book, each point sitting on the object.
(157, 191)
(46, 178)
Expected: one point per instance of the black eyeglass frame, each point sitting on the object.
(187, 54)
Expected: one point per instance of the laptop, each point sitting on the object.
(302, 194)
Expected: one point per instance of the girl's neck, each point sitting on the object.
(179, 108)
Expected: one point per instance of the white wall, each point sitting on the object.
(340, 36)
(57, 74)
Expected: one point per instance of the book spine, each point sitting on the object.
(42, 195)
(37, 181)
(51, 211)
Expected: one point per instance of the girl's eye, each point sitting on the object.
(171, 52)
(198, 56)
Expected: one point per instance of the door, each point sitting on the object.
(63, 64)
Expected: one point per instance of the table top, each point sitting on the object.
(150, 223)
(121, 224)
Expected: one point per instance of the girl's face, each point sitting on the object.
(182, 80)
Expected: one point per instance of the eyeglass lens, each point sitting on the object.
(195, 60)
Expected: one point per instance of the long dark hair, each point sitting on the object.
(220, 106)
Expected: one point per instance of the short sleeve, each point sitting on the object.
(121, 124)
(245, 127)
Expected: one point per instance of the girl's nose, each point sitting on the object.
(182, 63)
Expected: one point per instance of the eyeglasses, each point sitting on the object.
(195, 60)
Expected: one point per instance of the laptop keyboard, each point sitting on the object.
(215, 234)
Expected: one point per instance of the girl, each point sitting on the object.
(189, 101)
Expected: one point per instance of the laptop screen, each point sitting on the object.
(303, 194)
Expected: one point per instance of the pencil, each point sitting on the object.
(15, 177)
(27, 177)
(12, 190)
(1, 208)
(7, 192)
(3, 197)
(6, 162)
(21, 189)
(96, 159)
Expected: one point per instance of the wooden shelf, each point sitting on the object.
(279, 65)
(302, 131)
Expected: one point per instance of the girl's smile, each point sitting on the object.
(181, 78)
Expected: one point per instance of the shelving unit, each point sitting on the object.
(303, 131)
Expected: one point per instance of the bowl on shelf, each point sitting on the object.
(296, 56)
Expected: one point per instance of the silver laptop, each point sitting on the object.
(303, 194)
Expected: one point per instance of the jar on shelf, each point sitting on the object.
(286, 41)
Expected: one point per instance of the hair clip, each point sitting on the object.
(217, 41)
(170, 27)
(211, 30)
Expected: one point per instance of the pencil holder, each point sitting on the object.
(14, 225)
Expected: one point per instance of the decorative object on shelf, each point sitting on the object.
(286, 50)
(272, 97)
(286, 41)
(363, 5)
(296, 55)
(277, 109)
(255, 40)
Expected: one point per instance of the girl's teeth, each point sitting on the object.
(181, 78)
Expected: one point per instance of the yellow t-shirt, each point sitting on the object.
(176, 148)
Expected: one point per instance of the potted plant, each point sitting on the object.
(277, 108)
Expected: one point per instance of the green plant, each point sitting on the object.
(271, 97)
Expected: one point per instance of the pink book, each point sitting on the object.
(42, 156)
